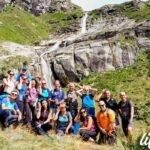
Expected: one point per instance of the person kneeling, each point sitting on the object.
(10, 112)
(88, 132)
(106, 124)
(63, 120)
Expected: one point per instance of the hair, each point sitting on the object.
(47, 104)
(36, 83)
(81, 117)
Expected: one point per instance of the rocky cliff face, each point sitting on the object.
(111, 42)
(39, 7)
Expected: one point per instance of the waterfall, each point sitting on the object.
(83, 23)
(45, 67)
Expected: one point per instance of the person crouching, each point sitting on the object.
(106, 124)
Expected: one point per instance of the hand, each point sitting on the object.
(34, 104)
(19, 117)
(58, 110)
(39, 125)
(103, 131)
(14, 111)
(66, 131)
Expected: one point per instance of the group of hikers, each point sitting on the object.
(26, 101)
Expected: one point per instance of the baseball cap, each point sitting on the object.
(24, 68)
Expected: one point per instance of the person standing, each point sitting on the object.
(56, 97)
(110, 103)
(22, 87)
(87, 95)
(71, 100)
(9, 83)
(126, 111)
(31, 102)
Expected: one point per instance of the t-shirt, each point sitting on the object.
(32, 95)
(71, 104)
(105, 118)
(63, 121)
(45, 94)
(11, 86)
(22, 92)
(57, 95)
(9, 104)
(112, 104)
(87, 100)
(125, 108)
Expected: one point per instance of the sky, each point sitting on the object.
(88, 5)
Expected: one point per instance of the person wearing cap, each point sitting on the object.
(9, 83)
(23, 72)
(56, 97)
(22, 88)
(106, 124)
(126, 111)
(42, 122)
(87, 95)
(9, 112)
(63, 120)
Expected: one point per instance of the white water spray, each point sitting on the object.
(45, 67)
(83, 23)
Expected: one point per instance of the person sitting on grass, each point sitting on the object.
(43, 118)
(63, 120)
(88, 132)
(10, 112)
(106, 124)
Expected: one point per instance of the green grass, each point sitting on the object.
(22, 27)
(134, 80)
(12, 62)
(132, 12)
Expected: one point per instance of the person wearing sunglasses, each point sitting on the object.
(9, 83)
(9, 112)
(106, 124)
(88, 132)
(63, 120)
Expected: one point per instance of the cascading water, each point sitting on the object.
(45, 67)
(83, 23)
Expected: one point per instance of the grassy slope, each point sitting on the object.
(138, 14)
(135, 81)
(129, 10)
(22, 27)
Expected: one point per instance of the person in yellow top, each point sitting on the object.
(106, 123)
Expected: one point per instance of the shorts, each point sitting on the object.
(125, 125)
